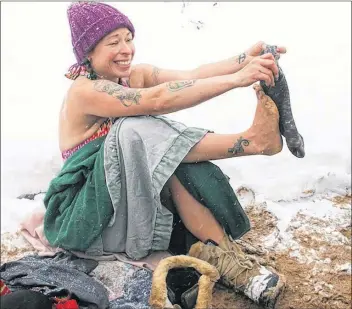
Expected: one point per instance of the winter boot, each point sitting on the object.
(239, 273)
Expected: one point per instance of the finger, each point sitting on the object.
(258, 47)
(259, 91)
(264, 77)
(257, 87)
(281, 50)
(271, 65)
(270, 74)
(275, 53)
(267, 56)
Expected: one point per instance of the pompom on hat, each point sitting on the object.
(89, 23)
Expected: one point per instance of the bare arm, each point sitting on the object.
(154, 76)
(108, 99)
(104, 98)
(228, 66)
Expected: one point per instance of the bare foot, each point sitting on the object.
(265, 128)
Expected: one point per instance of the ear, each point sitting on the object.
(90, 55)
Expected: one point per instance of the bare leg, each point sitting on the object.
(197, 219)
(262, 138)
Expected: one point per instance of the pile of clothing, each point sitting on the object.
(64, 281)
(61, 280)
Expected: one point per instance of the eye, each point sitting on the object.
(114, 43)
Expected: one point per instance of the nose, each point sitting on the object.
(125, 48)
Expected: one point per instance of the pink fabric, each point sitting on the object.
(149, 262)
(102, 131)
(32, 229)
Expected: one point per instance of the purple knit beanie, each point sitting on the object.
(90, 22)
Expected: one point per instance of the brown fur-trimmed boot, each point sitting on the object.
(237, 272)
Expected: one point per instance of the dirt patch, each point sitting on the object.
(324, 290)
(225, 299)
(14, 247)
(303, 290)
(342, 200)
(347, 232)
(322, 281)
(263, 222)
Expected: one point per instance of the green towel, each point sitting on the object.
(78, 203)
(206, 182)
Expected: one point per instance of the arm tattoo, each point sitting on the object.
(125, 95)
(241, 58)
(238, 146)
(176, 86)
(155, 75)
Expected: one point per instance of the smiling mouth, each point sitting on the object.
(123, 63)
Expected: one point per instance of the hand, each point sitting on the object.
(260, 68)
(257, 48)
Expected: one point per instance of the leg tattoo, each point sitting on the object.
(238, 146)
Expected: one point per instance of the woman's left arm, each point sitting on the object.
(153, 76)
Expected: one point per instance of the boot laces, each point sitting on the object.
(242, 263)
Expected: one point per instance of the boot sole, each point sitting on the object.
(275, 293)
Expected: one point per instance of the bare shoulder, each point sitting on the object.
(84, 90)
(76, 91)
(149, 73)
(137, 77)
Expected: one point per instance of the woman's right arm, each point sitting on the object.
(104, 98)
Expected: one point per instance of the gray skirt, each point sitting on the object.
(140, 155)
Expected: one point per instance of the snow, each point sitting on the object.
(36, 51)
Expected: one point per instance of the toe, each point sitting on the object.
(259, 91)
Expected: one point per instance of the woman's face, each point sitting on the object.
(112, 57)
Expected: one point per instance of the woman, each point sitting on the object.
(100, 136)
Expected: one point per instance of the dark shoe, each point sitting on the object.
(25, 299)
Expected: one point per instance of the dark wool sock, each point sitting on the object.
(281, 96)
